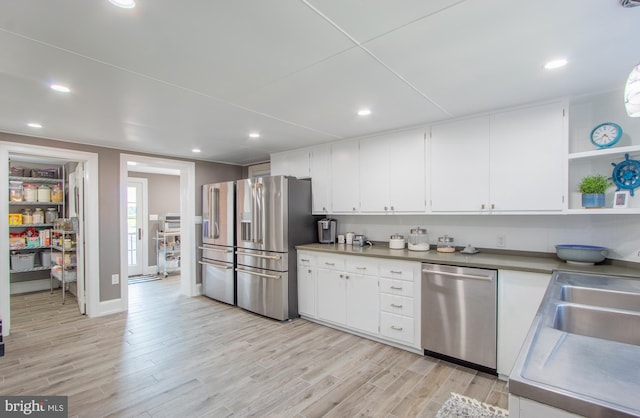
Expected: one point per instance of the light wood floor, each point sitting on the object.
(174, 356)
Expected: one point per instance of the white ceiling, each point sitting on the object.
(170, 75)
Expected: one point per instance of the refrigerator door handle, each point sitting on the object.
(256, 213)
(269, 257)
(221, 266)
(214, 249)
(216, 213)
(267, 276)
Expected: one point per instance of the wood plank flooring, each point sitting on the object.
(174, 356)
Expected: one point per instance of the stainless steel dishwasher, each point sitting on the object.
(459, 313)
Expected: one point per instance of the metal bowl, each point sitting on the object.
(581, 254)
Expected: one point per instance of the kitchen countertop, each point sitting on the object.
(484, 259)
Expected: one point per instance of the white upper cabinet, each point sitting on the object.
(508, 161)
(345, 177)
(320, 167)
(392, 173)
(460, 165)
(291, 163)
(528, 159)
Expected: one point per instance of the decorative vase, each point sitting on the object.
(592, 200)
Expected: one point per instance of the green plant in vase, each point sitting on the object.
(593, 189)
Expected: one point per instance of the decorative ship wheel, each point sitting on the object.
(626, 174)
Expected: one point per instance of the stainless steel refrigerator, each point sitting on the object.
(218, 233)
(273, 216)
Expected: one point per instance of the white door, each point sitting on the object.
(136, 233)
(76, 209)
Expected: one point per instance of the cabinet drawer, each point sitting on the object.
(306, 259)
(330, 262)
(400, 305)
(397, 327)
(396, 287)
(398, 271)
(362, 265)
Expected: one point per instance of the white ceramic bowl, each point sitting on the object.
(581, 254)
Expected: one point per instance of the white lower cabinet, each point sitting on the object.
(519, 296)
(368, 295)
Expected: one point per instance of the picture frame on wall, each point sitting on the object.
(621, 199)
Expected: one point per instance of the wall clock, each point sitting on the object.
(606, 134)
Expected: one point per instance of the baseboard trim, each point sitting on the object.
(110, 307)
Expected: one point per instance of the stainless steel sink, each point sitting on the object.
(599, 297)
(582, 353)
(623, 327)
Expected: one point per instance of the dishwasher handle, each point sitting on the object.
(458, 275)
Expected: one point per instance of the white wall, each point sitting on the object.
(539, 233)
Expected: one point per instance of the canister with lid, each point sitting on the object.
(44, 193)
(51, 215)
(30, 193)
(56, 193)
(27, 216)
(16, 191)
(396, 242)
(418, 239)
(446, 244)
(38, 216)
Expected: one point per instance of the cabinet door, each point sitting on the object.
(344, 177)
(362, 302)
(320, 167)
(519, 296)
(460, 166)
(306, 285)
(407, 171)
(331, 296)
(374, 175)
(528, 159)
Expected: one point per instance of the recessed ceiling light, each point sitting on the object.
(60, 88)
(254, 135)
(34, 125)
(555, 64)
(125, 4)
(364, 112)
(196, 150)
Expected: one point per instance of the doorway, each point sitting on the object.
(137, 230)
(90, 200)
(186, 172)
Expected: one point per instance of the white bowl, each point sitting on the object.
(581, 254)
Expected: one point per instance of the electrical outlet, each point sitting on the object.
(501, 241)
(115, 278)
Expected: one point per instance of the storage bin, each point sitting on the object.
(16, 172)
(45, 258)
(69, 258)
(21, 262)
(69, 275)
(48, 173)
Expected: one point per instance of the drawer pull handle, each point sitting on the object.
(361, 268)
(396, 306)
(395, 272)
(396, 328)
(330, 264)
(396, 288)
(306, 260)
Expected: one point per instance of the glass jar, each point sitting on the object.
(51, 215)
(27, 216)
(44, 193)
(38, 216)
(446, 244)
(30, 193)
(418, 240)
(16, 191)
(56, 193)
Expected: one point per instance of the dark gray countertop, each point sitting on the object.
(534, 263)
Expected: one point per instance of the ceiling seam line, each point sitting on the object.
(372, 55)
(148, 77)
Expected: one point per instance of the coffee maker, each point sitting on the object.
(327, 230)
